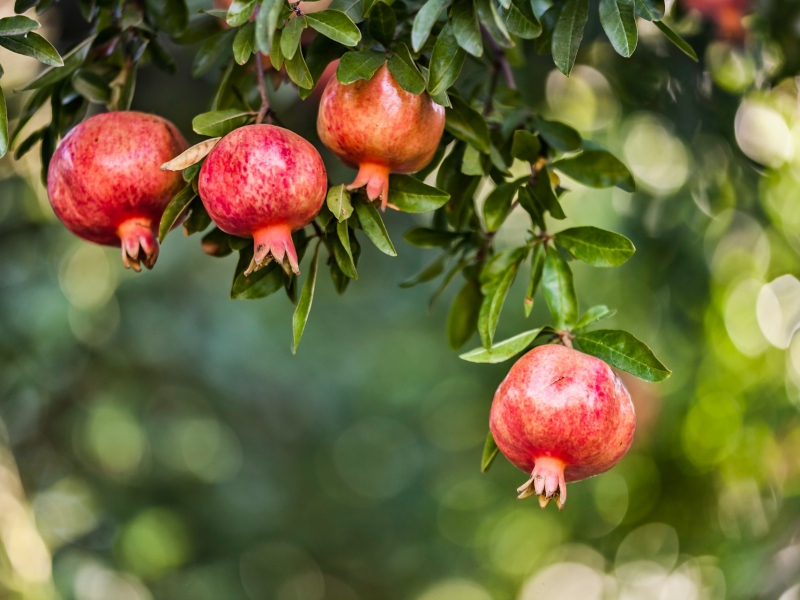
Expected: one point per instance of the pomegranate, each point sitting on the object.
(727, 15)
(380, 128)
(264, 182)
(106, 185)
(561, 415)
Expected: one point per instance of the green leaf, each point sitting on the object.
(372, 224)
(175, 209)
(18, 25)
(487, 14)
(544, 43)
(424, 21)
(298, 71)
(213, 50)
(532, 206)
(172, 16)
(673, 37)
(568, 33)
(339, 202)
(650, 10)
(622, 350)
(526, 146)
(267, 22)
(290, 37)
(91, 86)
(559, 291)
(258, 284)
(595, 246)
(336, 25)
(504, 350)
(490, 451)
(593, 315)
(275, 54)
(219, 122)
(497, 206)
(359, 65)
(410, 195)
(404, 70)
(467, 124)
(430, 271)
(239, 12)
(497, 266)
(466, 27)
(342, 252)
(558, 135)
(300, 316)
(3, 125)
(319, 55)
(446, 62)
(537, 266)
(492, 305)
(352, 8)
(462, 320)
(382, 23)
(520, 20)
(542, 190)
(424, 237)
(216, 243)
(619, 22)
(33, 45)
(244, 44)
(597, 168)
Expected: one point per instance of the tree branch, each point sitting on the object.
(263, 112)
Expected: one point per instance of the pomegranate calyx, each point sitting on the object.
(138, 243)
(274, 243)
(376, 178)
(547, 482)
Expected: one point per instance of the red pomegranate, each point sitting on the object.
(561, 415)
(379, 128)
(726, 14)
(264, 182)
(106, 185)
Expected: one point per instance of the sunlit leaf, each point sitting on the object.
(502, 351)
(623, 351)
(595, 246)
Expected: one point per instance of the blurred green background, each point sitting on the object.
(159, 441)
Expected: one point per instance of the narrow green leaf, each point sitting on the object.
(91, 86)
(300, 316)
(619, 22)
(532, 206)
(336, 25)
(410, 195)
(559, 291)
(492, 305)
(171, 16)
(214, 49)
(622, 350)
(33, 45)
(595, 246)
(537, 267)
(382, 23)
(594, 315)
(429, 272)
(424, 21)
(558, 135)
(244, 44)
(342, 252)
(597, 168)
(267, 22)
(3, 125)
(219, 122)
(405, 71)
(526, 146)
(18, 25)
(490, 451)
(339, 202)
(275, 54)
(497, 206)
(673, 37)
(424, 237)
(239, 12)
(467, 124)
(298, 70)
(520, 20)
(359, 65)
(372, 224)
(497, 266)
(446, 62)
(488, 16)
(290, 37)
(462, 320)
(542, 190)
(466, 27)
(544, 43)
(504, 350)
(568, 33)
(650, 10)
(175, 209)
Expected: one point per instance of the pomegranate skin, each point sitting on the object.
(379, 128)
(264, 182)
(105, 183)
(561, 415)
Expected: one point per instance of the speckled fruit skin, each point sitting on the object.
(379, 128)
(264, 182)
(106, 185)
(561, 415)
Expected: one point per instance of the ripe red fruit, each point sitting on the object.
(727, 14)
(264, 182)
(106, 185)
(380, 128)
(561, 415)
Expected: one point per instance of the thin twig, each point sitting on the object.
(263, 112)
(500, 59)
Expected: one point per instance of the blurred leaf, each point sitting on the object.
(623, 351)
(526, 146)
(496, 267)
(174, 210)
(537, 267)
(542, 190)
(33, 45)
(267, 22)
(497, 206)
(259, 284)
(619, 22)
(492, 305)
(594, 315)
(342, 252)
(466, 27)
(413, 196)
(244, 44)
(373, 226)
(359, 65)
(320, 53)
(213, 50)
(446, 62)
(673, 37)
(3, 125)
(521, 21)
(172, 16)
(220, 123)
(595, 246)
(560, 136)
(568, 33)
(91, 86)
(544, 43)
(430, 271)
(559, 291)
(462, 320)
(382, 23)
(198, 219)
(352, 8)
(298, 71)
(18, 25)
(490, 451)
(216, 243)
(28, 143)
(504, 350)
(487, 15)
(21, 6)
(467, 124)
(72, 60)
(528, 201)
(300, 316)
(597, 168)
(405, 71)
(424, 21)
(650, 10)
(423, 237)
(445, 282)
(336, 25)
(239, 12)
(290, 36)
(339, 202)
